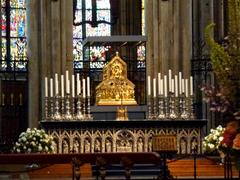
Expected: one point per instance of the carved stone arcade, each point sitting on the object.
(122, 140)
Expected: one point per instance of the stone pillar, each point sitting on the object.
(49, 48)
(169, 32)
(34, 90)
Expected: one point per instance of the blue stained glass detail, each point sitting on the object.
(97, 53)
(103, 15)
(18, 18)
(88, 4)
(3, 23)
(18, 3)
(103, 4)
(79, 4)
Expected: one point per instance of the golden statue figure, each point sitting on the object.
(115, 89)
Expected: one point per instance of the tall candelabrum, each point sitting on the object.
(171, 107)
(67, 108)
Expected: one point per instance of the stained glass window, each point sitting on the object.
(141, 50)
(13, 50)
(83, 13)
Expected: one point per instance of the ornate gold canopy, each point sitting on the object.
(115, 89)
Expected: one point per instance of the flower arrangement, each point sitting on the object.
(231, 141)
(225, 60)
(34, 141)
(212, 141)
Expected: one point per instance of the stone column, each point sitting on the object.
(34, 90)
(169, 31)
(49, 48)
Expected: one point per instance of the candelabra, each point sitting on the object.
(172, 107)
(46, 108)
(88, 115)
(191, 108)
(79, 115)
(57, 115)
(155, 111)
(161, 114)
(150, 108)
(62, 106)
(73, 106)
(184, 107)
(166, 106)
(84, 107)
(51, 108)
(68, 114)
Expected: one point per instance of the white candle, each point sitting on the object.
(62, 85)
(56, 84)
(46, 87)
(51, 87)
(84, 88)
(78, 84)
(154, 87)
(165, 86)
(180, 82)
(186, 89)
(176, 86)
(159, 83)
(88, 86)
(183, 90)
(170, 79)
(149, 86)
(73, 85)
(67, 75)
(191, 85)
(172, 86)
(68, 86)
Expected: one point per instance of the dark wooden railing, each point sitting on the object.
(101, 160)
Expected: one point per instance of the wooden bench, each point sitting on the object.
(101, 160)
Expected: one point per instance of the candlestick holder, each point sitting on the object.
(68, 114)
(161, 114)
(155, 111)
(57, 115)
(149, 113)
(166, 105)
(172, 107)
(51, 108)
(46, 115)
(89, 116)
(62, 106)
(184, 112)
(84, 108)
(191, 107)
(72, 104)
(79, 115)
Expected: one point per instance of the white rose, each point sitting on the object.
(220, 138)
(24, 139)
(29, 150)
(46, 148)
(18, 150)
(39, 148)
(211, 146)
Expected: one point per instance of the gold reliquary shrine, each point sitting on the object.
(115, 88)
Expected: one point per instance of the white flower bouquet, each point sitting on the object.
(34, 141)
(212, 141)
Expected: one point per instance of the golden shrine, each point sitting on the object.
(115, 89)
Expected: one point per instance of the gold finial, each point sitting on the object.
(116, 53)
